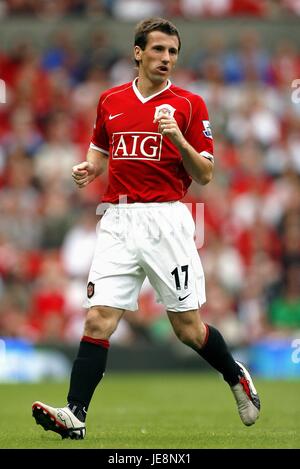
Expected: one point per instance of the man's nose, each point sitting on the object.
(166, 57)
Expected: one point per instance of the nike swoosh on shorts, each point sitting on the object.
(183, 298)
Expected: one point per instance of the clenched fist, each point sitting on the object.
(83, 173)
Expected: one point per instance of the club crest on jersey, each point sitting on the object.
(164, 109)
(207, 129)
(90, 289)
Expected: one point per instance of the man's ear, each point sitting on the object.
(137, 53)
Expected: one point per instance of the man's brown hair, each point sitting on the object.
(144, 27)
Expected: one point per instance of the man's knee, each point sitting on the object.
(102, 321)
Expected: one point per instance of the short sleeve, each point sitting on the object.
(99, 138)
(199, 133)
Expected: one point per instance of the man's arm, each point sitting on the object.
(85, 172)
(199, 167)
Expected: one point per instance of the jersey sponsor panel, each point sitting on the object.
(136, 145)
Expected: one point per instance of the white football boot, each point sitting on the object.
(246, 397)
(59, 420)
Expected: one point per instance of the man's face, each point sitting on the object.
(158, 59)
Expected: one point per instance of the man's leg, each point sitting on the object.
(210, 345)
(87, 372)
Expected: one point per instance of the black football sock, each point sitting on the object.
(216, 353)
(87, 372)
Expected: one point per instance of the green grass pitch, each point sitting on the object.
(157, 411)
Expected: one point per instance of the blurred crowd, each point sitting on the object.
(251, 251)
(135, 9)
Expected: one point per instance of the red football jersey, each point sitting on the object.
(144, 165)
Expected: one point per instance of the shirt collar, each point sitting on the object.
(139, 95)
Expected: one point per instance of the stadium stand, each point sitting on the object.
(251, 251)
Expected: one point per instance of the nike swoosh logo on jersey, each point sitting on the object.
(115, 115)
(184, 297)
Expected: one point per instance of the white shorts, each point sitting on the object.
(146, 239)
